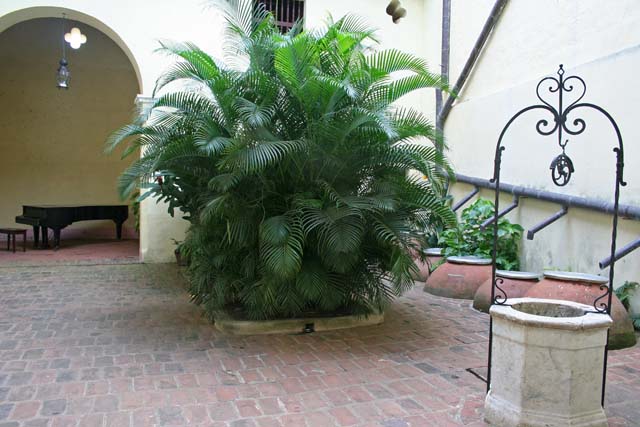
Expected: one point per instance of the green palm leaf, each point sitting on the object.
(305, 185)
(254, 157)
(281, 246)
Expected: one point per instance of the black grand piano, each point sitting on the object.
(57, 217)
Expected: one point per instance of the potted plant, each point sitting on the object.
(468, 238)
(624, 293)
(429, 255)
(182, 258)
(467, 249)
(294, 166)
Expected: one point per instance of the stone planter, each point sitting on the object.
(459, 277)
(434, 256)
(515, 284)
(232, 326)
(584, 289)
(548, 358)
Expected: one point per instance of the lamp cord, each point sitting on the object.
(64, 52)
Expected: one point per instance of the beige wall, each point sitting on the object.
(53, 140)
(159, 231)
(598, 41)
(407, 36)
(135, 25)
(136, 28)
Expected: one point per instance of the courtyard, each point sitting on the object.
(289, 167)
(122, 345)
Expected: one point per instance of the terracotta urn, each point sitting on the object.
(584, 289)
(459, 277)
(434, 256)
(514, 283)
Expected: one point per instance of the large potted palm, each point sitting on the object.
(302, 179)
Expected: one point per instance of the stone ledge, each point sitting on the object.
(228, 325)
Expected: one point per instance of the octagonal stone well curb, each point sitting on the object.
(232, 326)
(547, 364)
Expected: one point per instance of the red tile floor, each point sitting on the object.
(121, 345)
(73, 251)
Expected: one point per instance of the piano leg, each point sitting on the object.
(119, 229)
(36, 236)
(45, 237)
(56, 238)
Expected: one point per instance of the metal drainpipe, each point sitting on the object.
(444, 57)
(488, 27)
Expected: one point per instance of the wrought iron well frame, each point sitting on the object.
(561, 170)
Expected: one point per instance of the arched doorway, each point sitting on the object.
(53, 139)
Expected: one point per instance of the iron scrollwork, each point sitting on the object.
(499, 297)
(562, 166)
(603, 306)
(562, 119)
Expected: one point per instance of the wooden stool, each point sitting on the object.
(11, 235)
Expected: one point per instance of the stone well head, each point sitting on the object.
(547, 364)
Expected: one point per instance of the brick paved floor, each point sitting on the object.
(121, 345)
(74, 251)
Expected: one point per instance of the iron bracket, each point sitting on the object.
(466, 198)
(621, 253)
(512, 206)
(553, 218)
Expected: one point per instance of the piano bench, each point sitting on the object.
(11, 236)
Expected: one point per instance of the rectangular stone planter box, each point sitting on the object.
(547, 364)
(228, 325)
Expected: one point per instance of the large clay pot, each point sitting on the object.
(459, 277)
(434, 256)
(584, 289)
(514, 283)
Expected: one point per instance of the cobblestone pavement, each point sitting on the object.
(121, 345)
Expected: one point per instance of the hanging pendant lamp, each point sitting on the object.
(63, 75)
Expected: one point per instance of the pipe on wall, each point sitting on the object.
(444, 56)
(624, 211)
(488, 27)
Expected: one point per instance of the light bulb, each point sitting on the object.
(75, 38)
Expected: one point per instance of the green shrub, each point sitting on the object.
(468, 238)
(624, 293)
(301, 177)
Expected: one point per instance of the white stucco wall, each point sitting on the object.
(52, 139)
(136, 27)
(598, 41)
(408, 35)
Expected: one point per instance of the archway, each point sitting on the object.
(18, 16)
(53, 139)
